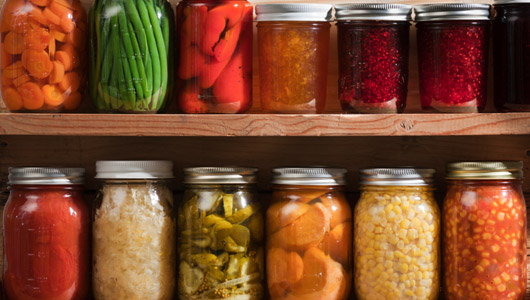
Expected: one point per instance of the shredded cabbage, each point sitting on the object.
(134, 247)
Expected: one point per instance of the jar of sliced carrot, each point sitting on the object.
(484, 234)
(309, 235)
(43, 68)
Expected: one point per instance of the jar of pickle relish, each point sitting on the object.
(484, 236)
(373, 43)
(453, 45)
(396, 235)
(293, 45)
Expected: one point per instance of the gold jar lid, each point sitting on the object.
(485, 170)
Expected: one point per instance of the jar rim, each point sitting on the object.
(452, 11)
(220, 175)
(373, 12)
(293, 12)
(309, 176)
(485, 170)
(134, 169)
(397, 176)
(46, 176)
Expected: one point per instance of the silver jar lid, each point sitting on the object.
(46, 176)
(293, 12)
(220, 175)
(452, 11)
(309, 176)
(495, 2)
(134, 169)
(373, 11)
(404, 176)
(485, 170)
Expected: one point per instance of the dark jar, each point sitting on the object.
(373, 45)
(511, 55)
(484, 236)
(46, 235)
(214, 67)
(453, 45)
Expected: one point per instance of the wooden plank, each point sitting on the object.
(265, 125)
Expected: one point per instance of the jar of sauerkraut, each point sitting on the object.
(134, 230)
(220, 235)
(396, 235)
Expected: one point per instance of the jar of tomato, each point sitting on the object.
(453, 46)
(46, 235)
(214, 56)
(293, 45)
(309, 235)
(484, 216)
(134, 231)
(43, 65)
(373, 43)
(397, 235)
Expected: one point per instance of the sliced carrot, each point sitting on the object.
(21, 79)
(72, 101)
(37, 63)
(65, 58)
(51, 48)
(67, 24)
(14, 43)
(60, 9)
(68, 4)
(14, 70)
(70, 82)
(11, 10)
(40, 2)
(52, 95)
(37, 39)
(12, 99)
(68, 48)
(58, 35)
(32, 95)
(36, 14)
(5, 57)
(19, 23)
(77, 38)
(4, 26)
(50, 16)
(6, 81)
(57, 74)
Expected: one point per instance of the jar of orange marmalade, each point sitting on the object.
(485, 231)
(309, 235)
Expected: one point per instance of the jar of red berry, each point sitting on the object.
(453, 43)
(373, 43)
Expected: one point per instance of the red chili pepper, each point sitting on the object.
(194, 23)
(189, 101)
(219, 20)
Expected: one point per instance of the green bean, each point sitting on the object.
(128, 75)
(118, 67)
(140, 33)
(151, 43)
(133, 56)
(161, 46)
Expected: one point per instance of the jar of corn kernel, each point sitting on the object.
(396, 235)
(484, 215)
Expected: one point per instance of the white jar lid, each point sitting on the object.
(134, 169)
(293, 12)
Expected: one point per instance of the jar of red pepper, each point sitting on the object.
(373, 43)
(511, 54)
(46, 235)
(484, 236)
(453, 44)
(214, 68)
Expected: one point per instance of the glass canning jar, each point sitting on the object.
(484, 219)
(214, 69)
(134, 231)
(453, 45)
(511, 55)
(43, 59)
(309, 235)
(221, 235)
(396, 235)
(293, 45)
(46, 235)
(373, 45)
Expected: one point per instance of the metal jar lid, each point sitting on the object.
(373, 11)
(403, 176)
(485, 170)
(496, 2)
(293, 12)
(220, 175)
(134, 169)
(309, 176)
(46, 176)
(452, 11)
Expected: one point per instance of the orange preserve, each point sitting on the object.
(46, 235)
(309, 235)
(293, 45)
(485, 232)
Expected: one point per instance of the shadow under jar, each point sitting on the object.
(453, 46)
(511, 55)
(484, 217)
(373, 45)
(293, 46)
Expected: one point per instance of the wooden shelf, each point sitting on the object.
(265, 125)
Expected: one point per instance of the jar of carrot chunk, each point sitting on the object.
(485, 231)
(43, 68)
(396, 235)
(309, 235)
